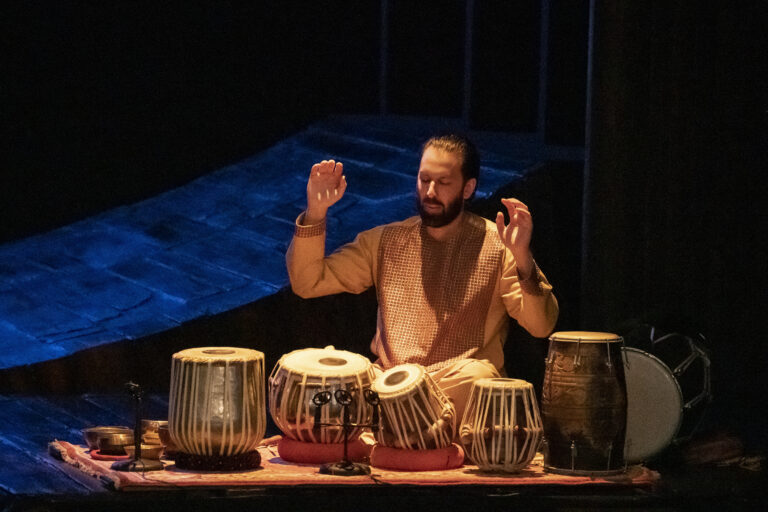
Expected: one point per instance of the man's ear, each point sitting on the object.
(469, 188)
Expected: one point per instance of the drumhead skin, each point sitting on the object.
(586, 337)
(502, 383)
(325, 361)
(223, 354)
(654, 405)
(398, 379)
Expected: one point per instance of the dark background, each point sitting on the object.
(106, 103)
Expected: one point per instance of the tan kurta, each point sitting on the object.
(439, 301)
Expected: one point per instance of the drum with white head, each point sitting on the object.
(501, 428)
(299, 375)
(415, 413)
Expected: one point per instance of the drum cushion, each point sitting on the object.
(319, 453)
(417, 460)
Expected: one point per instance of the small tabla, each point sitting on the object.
(415, 413)
(501, 428)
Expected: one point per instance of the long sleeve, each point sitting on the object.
(351, 268)
(530, 301)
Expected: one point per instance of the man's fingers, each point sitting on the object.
(500, 224)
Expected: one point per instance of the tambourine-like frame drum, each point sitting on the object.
(216, 404)
(415, 413)
(654, 405)
(299, 375)
(584, 404)
(501, 428)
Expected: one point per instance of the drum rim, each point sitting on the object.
(198, 354)
(505, 383)
(336, 371)
(661, 364)
(412, 384)
(586, 337)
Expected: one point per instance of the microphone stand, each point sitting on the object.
(138, 463)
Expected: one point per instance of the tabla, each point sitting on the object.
(501, 428)
(584, 404)
(299, 375)
(415, 413)
(216, 409)
(668, 391)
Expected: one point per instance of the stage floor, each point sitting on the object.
(30, 478)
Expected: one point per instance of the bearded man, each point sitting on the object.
(447, 281)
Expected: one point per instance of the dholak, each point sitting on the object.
(584, 404)
(299, 375)
(501, 428)
(216, 410)
(415, 413)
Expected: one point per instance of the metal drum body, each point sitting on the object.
(415, 413)
(216, 403)
(299, 375)
(501, 428)
(584, 404)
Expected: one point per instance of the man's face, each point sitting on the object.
(441, 187)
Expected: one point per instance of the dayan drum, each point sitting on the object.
(668, 390)
(299, 375)
(501, 429)
(216, 410)
(584, 404)
(415, 413)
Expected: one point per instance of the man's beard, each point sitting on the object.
(443, 218)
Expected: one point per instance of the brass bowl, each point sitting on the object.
(148, 426)
(148, 451)
(92, 434)
(165, 439)
(114, 444)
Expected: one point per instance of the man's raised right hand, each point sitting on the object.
(325, 187)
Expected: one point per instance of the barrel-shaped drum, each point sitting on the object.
(415, 413)
(216, 405)
(584, 404)
(501, 428)
(300, 375)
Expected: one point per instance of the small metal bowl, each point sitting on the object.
(148, 426)
(92, 434)
(114, 444)
(148, 451)
(165, 439)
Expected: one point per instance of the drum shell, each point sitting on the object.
(217, 407)
(418, 418)
(292, 410)
(584, 408)
(501, 429)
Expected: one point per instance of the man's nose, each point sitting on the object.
(431, 189)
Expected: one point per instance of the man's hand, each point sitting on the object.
(517, 234)
(326, 185)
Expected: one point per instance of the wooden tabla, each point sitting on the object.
(299, 375)
(216, 409)
(584, 404)
(415, 413)
(501, 428)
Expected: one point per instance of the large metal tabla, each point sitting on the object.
(501, 428)
(299, 375)
(584, 404)
(216, 410)
(415, 413)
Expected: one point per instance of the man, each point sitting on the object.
(447, 281)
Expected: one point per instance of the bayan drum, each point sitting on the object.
(216, 410)
(299, 375)
(415, 413)
(584, 404)
(501, 429)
